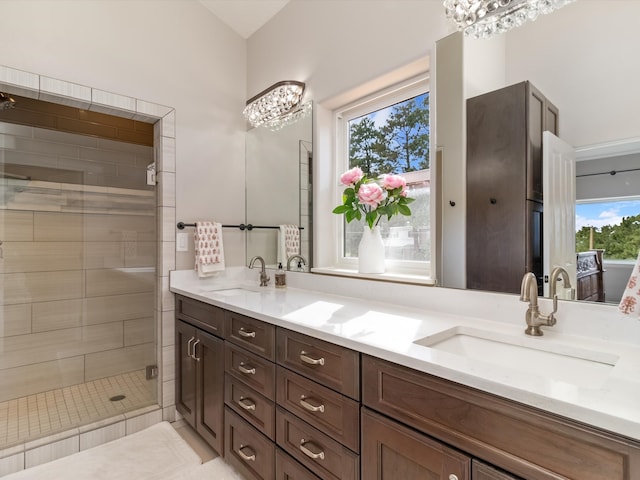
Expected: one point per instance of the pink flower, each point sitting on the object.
(371, 194)
(351, 177)
(393, 181)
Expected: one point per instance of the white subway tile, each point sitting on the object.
(11, 464)
(112, 103)
(52, 451)
(19, 82)
(65, 93)
(102, 435)
(150, 112)
(140, 422)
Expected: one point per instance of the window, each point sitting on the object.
(613, 225)
(390, 134)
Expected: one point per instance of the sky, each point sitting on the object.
(605, 213)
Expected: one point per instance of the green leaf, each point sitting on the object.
(350, 215)
(340, 209)
(371, 218)
(404, 210)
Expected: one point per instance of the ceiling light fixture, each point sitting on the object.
(277, 106)
(485, 18)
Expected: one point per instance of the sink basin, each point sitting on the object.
(538, 356)
(231, 290)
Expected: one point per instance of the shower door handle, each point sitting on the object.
(195, 344)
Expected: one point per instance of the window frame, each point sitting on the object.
(390, 96)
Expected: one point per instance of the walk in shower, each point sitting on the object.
(78, 252)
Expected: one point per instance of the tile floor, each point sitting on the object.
(27, 418)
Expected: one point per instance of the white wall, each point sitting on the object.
(584, 59)
(172, 52)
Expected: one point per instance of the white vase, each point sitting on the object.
(371, 251)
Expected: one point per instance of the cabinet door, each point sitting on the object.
(391, 451)
(185, 372)
(209, 356)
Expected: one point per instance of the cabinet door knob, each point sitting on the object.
(304, 401)
(246, 403)
(246, 333)
(245, 370)
(247, 453)
(304, 356)
(493, 201)
(304, 448)
(453, 476)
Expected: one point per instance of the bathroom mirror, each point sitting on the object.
(278, 188)
(582, 58)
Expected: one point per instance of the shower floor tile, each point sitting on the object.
(27, 418)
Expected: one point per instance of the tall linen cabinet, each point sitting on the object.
(504, 186)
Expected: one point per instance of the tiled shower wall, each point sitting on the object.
(78, 260)
(163, 119)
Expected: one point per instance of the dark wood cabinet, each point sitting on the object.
(504, 186)
(391, 451)
(200, 366)
(523, 441)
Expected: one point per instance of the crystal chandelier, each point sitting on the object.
(485, 18)
(277, 106)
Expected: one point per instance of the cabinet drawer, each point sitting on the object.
(200, 314)
(255, 371)
(325, 409)
(318, 452)
(331, 365)
(250, 452)
(254, 335)
(522, 440)
(288, 469)
(250, 405)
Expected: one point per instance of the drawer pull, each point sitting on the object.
(245, 370)
(310, 360)
(304, 401)
(246, 333)
(246, 403)
(250, 456)
(319, 454)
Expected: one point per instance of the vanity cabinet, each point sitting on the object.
(391, 451)
(523, 441)
(504, 186)
(200, 369)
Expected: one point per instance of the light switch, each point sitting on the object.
(182, 242)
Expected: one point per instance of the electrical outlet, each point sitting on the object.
(182, 242)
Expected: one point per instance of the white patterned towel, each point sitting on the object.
(288, 243)
(630, 303)
(209, 250)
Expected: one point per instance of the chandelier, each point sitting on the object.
(277, 106)
(485, 18)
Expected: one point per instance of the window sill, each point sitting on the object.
(382, 277)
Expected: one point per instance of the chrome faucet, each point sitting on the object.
(553, 282)
(535, 319)
(301, 261)
(264, 278)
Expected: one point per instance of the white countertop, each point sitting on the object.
(384, 320)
